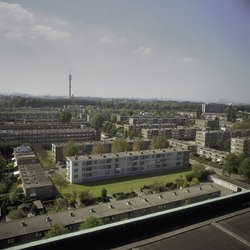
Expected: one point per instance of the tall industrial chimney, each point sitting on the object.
(70, 79)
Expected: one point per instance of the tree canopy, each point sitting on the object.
(119, 145)
(97, 148)
(232, 163)
(137, 145)
(244, 124)
(96, 120)
(69, 149)
(56, 230)
(90, 222)
(244, 168)
(65, 116)
(159, 142)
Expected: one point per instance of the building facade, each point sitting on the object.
(86, 168)
(207, 124)
(35, 228)
(48, 136)
(179, 133)
(187, 145)
(240, 145)
(209, 139)
(35, 183)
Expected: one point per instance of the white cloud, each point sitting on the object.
(143, 51)
(187, 60)
(17, 23)
(112, 39)
(106, 40)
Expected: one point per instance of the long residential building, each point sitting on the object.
(212, 154)
(48, 136)
(209, 139)
(207, 124)
(87, 147)
(86, 168)
(35, 183)
(158, 120)
(176, 133)
(34, 228)
(188, 145)
(240, 145)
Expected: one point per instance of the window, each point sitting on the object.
(76, 170)
(38, 234)
(11, 241)
(76, 176)
(75, 163)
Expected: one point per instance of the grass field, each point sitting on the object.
(123, 185)
(44, 156)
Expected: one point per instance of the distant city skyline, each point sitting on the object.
(174, 50)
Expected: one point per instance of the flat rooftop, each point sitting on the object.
(125, 154)
(33, 176)
(231, 231)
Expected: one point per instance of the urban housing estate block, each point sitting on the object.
(86, 168)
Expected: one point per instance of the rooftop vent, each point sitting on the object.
(111, 206)
(145, 199)
(161, 196)
(48, 218)
(129, 203)
(174, 193)
(91, 210)
(71, 214)
(187, 190)
(199, 188)
(23, 224)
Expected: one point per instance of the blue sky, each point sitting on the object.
(174, 49)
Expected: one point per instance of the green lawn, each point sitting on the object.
(44, 156)
(122, 185)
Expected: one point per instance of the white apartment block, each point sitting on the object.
(86, 168)
(240, 145)
(208, 139)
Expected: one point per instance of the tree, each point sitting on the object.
(90, 222)
(65, 116)
(244, 168)
(198, 111)
(119, 145)
(3, 187)
(85, 197)
(70, 149)
(104, 195)
(113, 118)
(97, 148)
(2, 166)
(194, 182)
(231, 113)
(96, 120)
(159, 142)
(109, 128)
(231, 163)
(16, 214)
(245, 124)
(137, 145)
(56, 230)
(60, 181)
